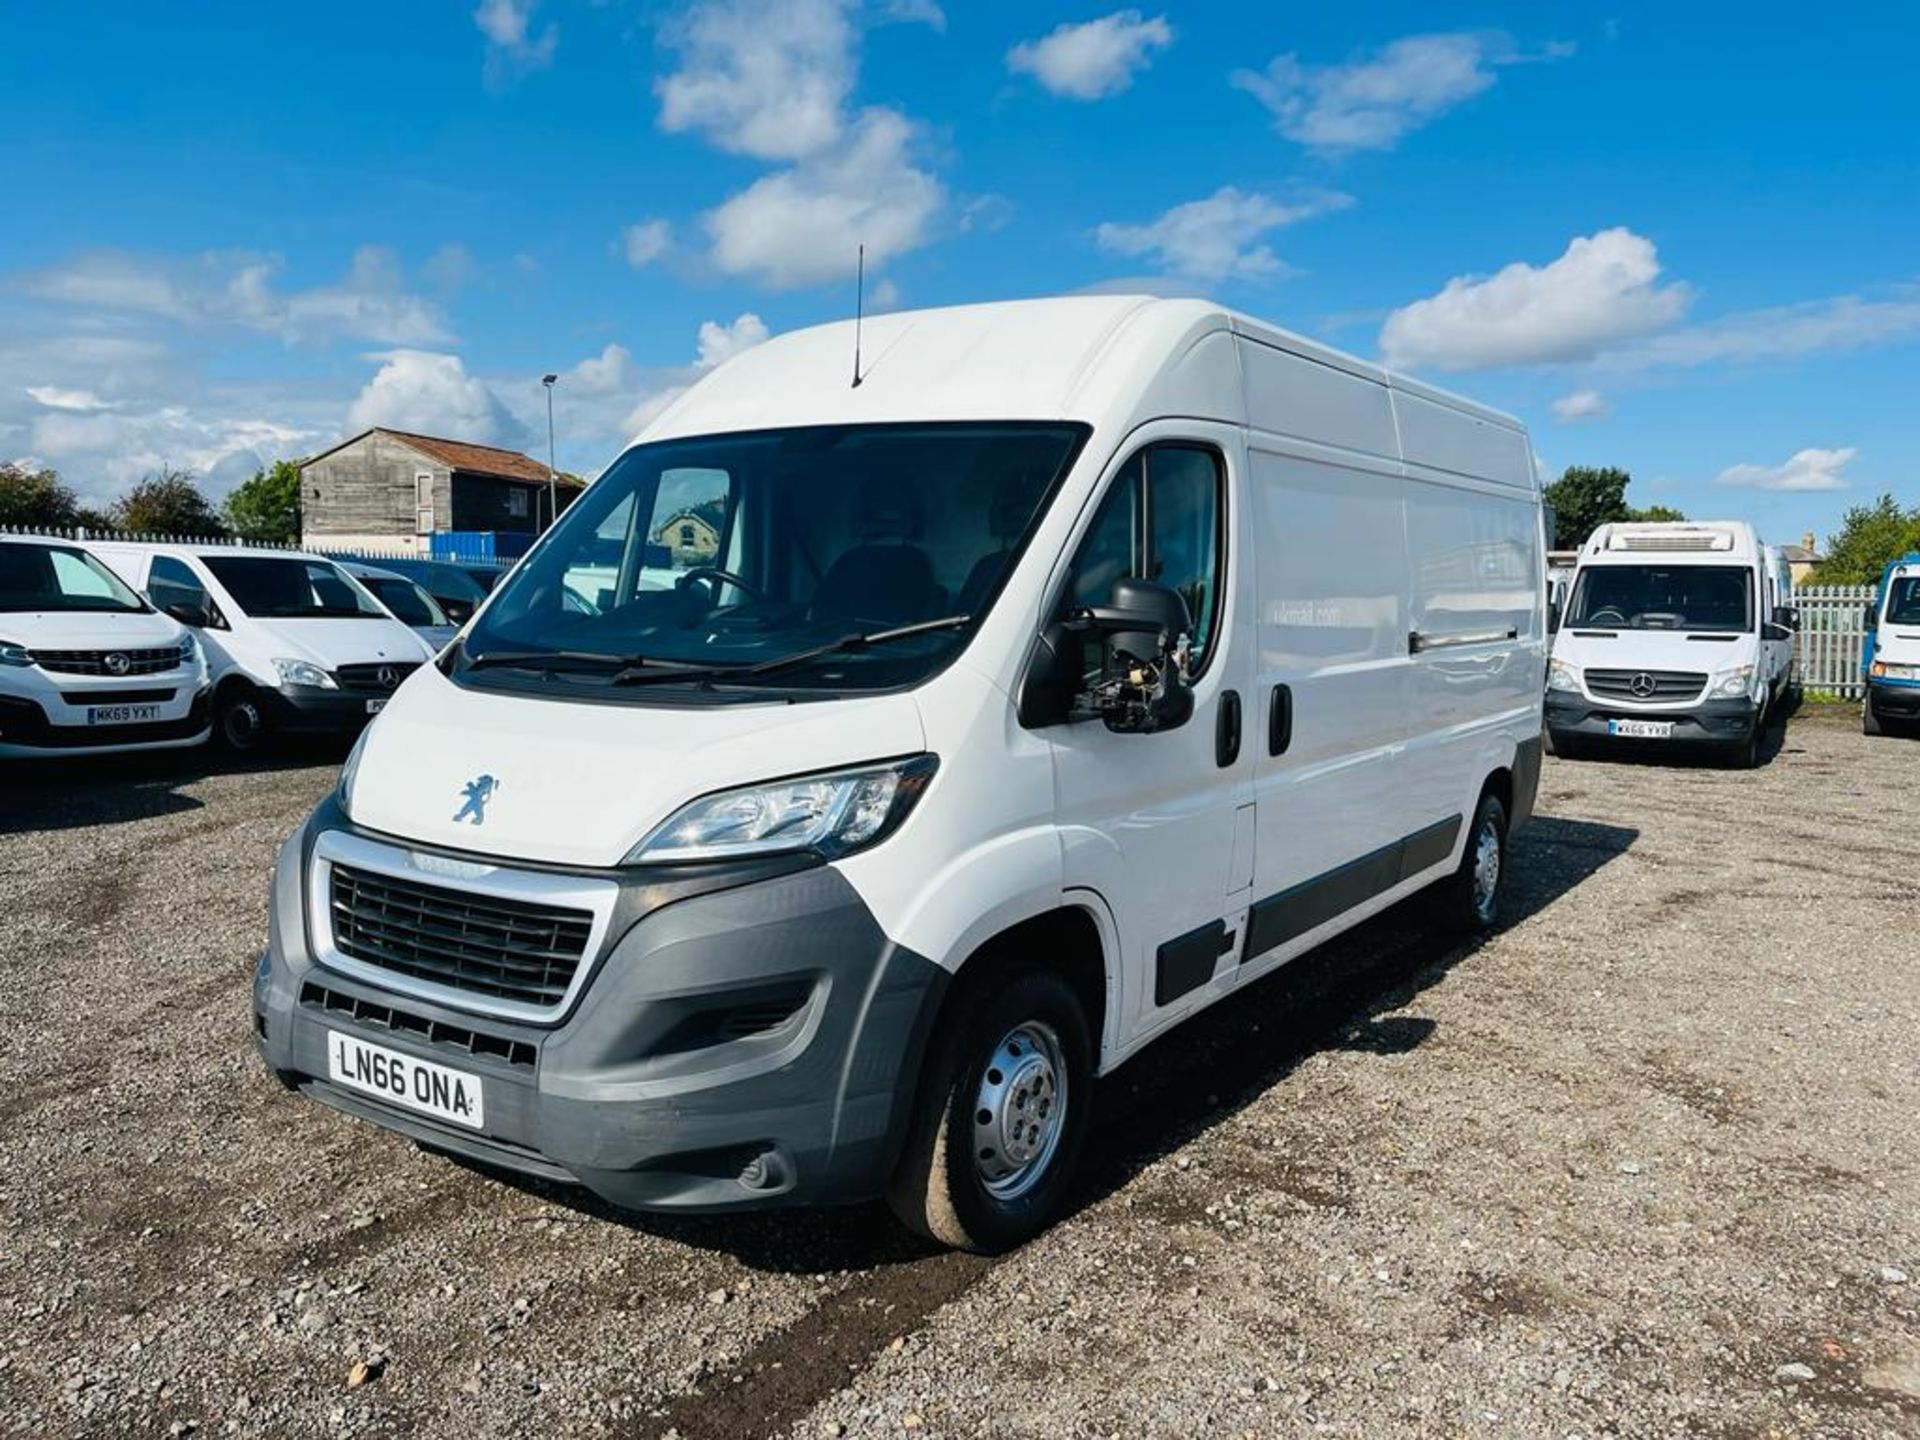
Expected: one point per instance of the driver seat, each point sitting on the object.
(885, 578)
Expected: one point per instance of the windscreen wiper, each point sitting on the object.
(557, 660)
(852, 644)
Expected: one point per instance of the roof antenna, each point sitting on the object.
(859, 309)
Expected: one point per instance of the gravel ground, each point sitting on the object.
(1643, 1163)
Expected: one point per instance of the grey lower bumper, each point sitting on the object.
(1710, 722)
(651, 1092)
(1894, 702)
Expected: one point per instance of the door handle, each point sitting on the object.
(1226, 732)
(1280, 720)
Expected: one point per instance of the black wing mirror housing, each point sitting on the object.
(1787, 617)
(1143, 630)
(197, 615)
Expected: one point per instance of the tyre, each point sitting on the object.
(1001, 1115)
(1869, 722)
(239, 723)
(1745, 754)
(1565, 746)
(1468, 901)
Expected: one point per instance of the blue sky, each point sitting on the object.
(1677, 238)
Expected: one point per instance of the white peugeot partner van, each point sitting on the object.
(293, 644)
(1891, 664)
(1667, 637)
(87, 666)
(1085, 661)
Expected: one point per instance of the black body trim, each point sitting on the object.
(1292, 912)
(1186, 962)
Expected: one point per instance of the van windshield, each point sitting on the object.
(1663, 597)
(60, 577)
(409, 603)
(271, 588)
(1903, 600)
(729, 551)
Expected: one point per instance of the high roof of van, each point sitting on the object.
(203, 548)
(1093, 358)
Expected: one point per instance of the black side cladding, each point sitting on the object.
(1186, 962)
(1294, 911)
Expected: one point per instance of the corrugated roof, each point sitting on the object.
(466, 456)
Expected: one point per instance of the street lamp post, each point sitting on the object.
(553, 479)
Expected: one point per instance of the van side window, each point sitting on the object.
(170, 582)
(1160, 521)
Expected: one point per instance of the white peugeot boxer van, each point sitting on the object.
(293, 643)
(1667, 637)
(86, 666)
(1083, 662)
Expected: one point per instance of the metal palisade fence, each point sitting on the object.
(398, 550)
(1832, 638)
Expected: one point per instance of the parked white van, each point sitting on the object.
(87, 666)
(1086, 660)
(293, 644)
(1777, 640)
(1667, 637)
(1890, 666)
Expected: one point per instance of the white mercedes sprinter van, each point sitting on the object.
(86, 666)
(1891, 665)
(857, 771)
(1667, 637)
(294, 644)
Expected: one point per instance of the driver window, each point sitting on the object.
(1160, 520)
(170, 582)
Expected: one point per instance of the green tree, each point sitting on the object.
(1665, 514)
(167, 503)
(267, 507)
(36, 498)
(1585, 497)
(1870, 536)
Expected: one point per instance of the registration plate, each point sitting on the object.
(374, 707)
(121, 714)
(1641, 729)
(421, 1085)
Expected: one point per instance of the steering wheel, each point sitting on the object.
(1599, 617)
(714, 572)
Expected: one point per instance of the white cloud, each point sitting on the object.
(1786, 332)
(802, 225)
(1215, 239)
(1581, 405)
(1370, 104)
(720, 343)
(55, 397)
(103, 451)
(451, 267)
(598, 374)
(432, 394)
(512, 46)
(1603, 290)
(914, 12)
(1095, 59)
(768, 78)
(646, 241)
(1804, 470)
(237, 289)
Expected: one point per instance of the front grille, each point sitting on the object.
(94, 662)
(1667, 686)
(508, 949)
(117, 697)
(517, 1053)
(374, 679)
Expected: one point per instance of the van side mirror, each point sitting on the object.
(1143, 632)
(1787, 617)
(1873, 613)
(1553, 617)
(195, 614)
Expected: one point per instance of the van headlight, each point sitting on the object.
(302, 672)
(1892, 670)
(189, 647)
(349, 772)
(1734, 683)
(1562, 676)
(12, 654)
(832, 814)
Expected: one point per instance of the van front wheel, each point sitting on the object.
(1468, 901)
(239, 722)
(1001, 1115)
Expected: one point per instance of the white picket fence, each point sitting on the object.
(1833, 637)
(399, 550)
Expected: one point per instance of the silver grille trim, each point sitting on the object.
(483, 879)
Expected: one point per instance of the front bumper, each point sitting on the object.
(27, 729)
(302, 710)
(1707, 722)
(645, 1092)
(1894, 699)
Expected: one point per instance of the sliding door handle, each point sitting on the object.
(1280, 720)
(1226, 733)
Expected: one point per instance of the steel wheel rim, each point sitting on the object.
(1019, 1111)
(242, 722)
(1486, 869)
